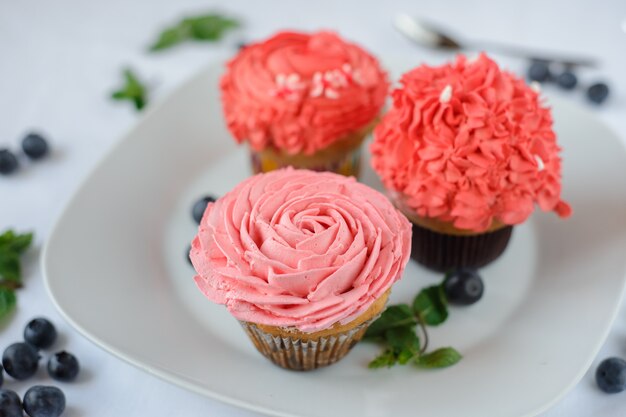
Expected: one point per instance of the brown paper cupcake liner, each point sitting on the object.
(297, 354)
(441, 252)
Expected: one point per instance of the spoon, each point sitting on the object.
(426, 34)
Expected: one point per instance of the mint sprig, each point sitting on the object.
(132, 90)
(208, 28)
(12, 245)
(396, 329)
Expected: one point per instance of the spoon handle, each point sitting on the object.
(567, 60)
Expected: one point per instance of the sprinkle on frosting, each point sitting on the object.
(287, 86)
(540, 165)
(488, 153)
(535, 86)
(301, 92)
(446, 94)
(296, 248)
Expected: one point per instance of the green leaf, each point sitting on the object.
(440, 358)
(209, 27)
(387, 358)
(430, 305)
(399, 315)
(171, 37)
(6, 237)
(10, 266)
(404, 343)
(133, 90)
(7, 302)
(9, 241)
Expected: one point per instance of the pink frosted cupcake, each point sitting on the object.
(466, 152)
(303, 100)
(304, 260)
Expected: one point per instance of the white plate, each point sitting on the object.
(115, 266)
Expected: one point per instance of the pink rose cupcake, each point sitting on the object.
(304, 260)
(303, 100)
(466, 152)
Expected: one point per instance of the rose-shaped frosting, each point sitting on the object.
(470, 144)
(301, 92)
(296, 248)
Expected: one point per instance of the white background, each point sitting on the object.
(59, 61)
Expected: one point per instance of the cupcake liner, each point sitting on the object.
(441, 252)
(298, 354)
(346, 163)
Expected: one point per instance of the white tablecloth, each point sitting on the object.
(60, 59)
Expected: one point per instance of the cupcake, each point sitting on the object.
(304, 260)
(303, 100)
(466, 152)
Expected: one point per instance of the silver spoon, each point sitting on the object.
(429, 35)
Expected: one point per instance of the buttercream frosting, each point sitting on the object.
(301, 249)
(300, 92)
(471, 144)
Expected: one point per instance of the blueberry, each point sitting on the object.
(567, 80)
(611, 375)
(44, 401)
(598, 92)
(10, 404)
(241, 45)
(8, 162)
(198, 208)
(188, 255)
(40, 333)
(34, 146)
(463, 286)
(63, 366)
(1, 375)
(539, 71)
(20, 360)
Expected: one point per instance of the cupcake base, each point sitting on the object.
(292, 349)
(342, 157)
(348, 164)
(304, 355)
(442, 251)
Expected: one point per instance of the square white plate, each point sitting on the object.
(116, 267)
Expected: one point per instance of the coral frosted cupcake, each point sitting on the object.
(466, 151)
(304, 260)
(303, 100)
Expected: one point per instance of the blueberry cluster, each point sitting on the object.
(34, 147)
(197, 211)
(21, 360)
(540, 71)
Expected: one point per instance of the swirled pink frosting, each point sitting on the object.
(301, 92)
(296, 248)
(469, 144)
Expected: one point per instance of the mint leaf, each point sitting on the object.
(6, 238)
(404, 343)
(133, 90)
(210, 27)
(10, 241)
(21, 242)
(430, 305)
(171, 37)
(7, 301)
(387, 358)
(10, 266)
(399, 315)
(440, 358)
